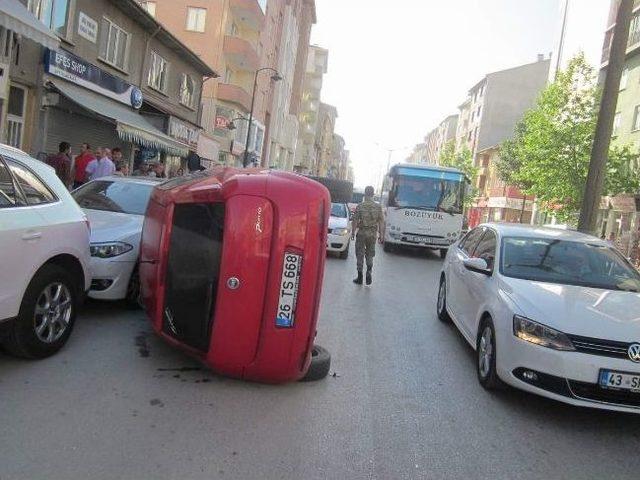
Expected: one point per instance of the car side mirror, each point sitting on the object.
(478, 265)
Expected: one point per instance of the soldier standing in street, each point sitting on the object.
(367, 224)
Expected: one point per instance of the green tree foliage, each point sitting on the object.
(550, 152)
(461, 159)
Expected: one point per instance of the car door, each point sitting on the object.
(478, 286)
(19, 228)
(456, 294)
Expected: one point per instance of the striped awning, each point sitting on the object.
(14, 16)
(130, 125)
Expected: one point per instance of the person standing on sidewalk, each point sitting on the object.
(80, 168)
(61, 162)
(102, 167)
(367, 225)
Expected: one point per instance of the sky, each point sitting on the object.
(396, 69)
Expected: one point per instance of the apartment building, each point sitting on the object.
(488, 117)
(324, 137)
(438, 137)
(113, 77)
(620, 216)
(419, 154)
(306, 156)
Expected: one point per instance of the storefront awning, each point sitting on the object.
(14, 16)
(130, 125)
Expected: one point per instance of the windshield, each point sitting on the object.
(567, 262)
(114, 196)
(427, 194)
(357, 197)
(339, 210)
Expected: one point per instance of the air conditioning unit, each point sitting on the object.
(50, 99)
(4, 80)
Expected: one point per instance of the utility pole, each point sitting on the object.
(606, 115)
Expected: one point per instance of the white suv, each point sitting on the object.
(44, 256)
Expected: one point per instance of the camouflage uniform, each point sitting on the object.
(367, 217)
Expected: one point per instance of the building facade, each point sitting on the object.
(438, 137)
(327, 115)
(487, 118)
(306, 156)
(116, 79)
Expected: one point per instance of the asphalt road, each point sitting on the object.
(118, 403)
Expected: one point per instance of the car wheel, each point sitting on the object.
(443, 252)
(443, 315)
(133, 298)
(320, 364)
(47, 314)
(387, 247)
(486, 356)
(345, 254)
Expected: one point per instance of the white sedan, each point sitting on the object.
(115, 207)
(552, 312)
(339, 235)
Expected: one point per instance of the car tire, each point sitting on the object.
(441, 305)
(387, 247)
(443, 253)
(39, 331)
(486, 356)
(345, 253)
(133, 298)
(319, 366)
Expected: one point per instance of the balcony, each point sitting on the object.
(234, 94)
(248, 13)
(240, 53)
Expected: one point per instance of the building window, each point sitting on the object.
(187, 91)
(228, 74)
(15, 116)
(636, 118)
(233, 31)
(53, 13)
(158, 72)
(616, 123)
(634, 31)
(150, 7)
(196, 19)
(114, 45)
(623, 79)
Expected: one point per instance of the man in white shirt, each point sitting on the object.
(102, 167)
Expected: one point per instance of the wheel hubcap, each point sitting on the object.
(485, 352)
(53, 312)
(441, 294)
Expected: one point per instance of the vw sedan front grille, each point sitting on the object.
(597, 346)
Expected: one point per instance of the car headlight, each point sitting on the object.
(110, 249)
(535, 332)
(340, 231)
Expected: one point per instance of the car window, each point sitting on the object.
(567, 262)
(34, 190)
(114, 196)
(486, 248)
(339, 210)
(468, 243)
(8, 195)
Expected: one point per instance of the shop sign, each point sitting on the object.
(221, 122)
(183, 132)
(76, 70)
(508, 202)
(87, 27)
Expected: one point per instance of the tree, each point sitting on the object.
(549, 154)
(461, 159)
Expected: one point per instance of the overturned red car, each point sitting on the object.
(231, 269)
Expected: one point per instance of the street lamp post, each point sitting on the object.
(276, 77)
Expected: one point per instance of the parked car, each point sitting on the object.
(553, 312)
(115, 207)
(339, 233)
(44, 256)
